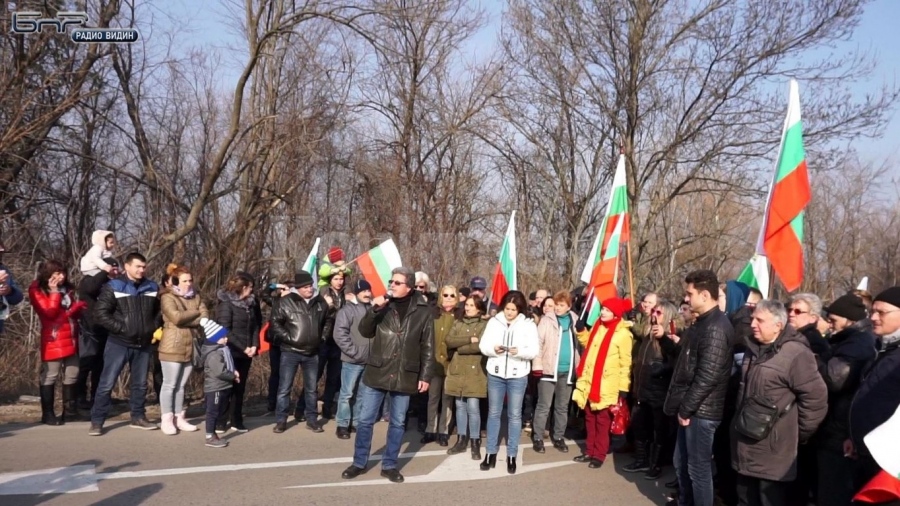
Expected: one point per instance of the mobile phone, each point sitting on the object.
(672, 327)
(503, 348)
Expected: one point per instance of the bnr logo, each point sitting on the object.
(27, 22)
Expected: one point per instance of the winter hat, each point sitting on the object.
(617, 306)
(361, 285)
(335, 255)
(891, 296)
(848, 306)
(465, 291)
(214, 332)
(478, 283)
(302, 279)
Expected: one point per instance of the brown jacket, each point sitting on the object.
(784, 374)
(466, 375)
(442, 326)
(181, 318)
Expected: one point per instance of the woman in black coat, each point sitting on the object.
(239, 312)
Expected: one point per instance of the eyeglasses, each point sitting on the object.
(394, 282)
(796, 312)
(421, 287)
(449, 295)
(657, 312)
(881, 312)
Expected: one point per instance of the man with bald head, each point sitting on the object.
(878, 395)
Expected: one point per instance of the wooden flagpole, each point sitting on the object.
(630, 270)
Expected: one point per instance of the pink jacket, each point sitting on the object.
(549, 335)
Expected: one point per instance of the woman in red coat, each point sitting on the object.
(54, 302)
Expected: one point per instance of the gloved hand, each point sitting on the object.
(580, 326)
(157, 335)
(537, 374)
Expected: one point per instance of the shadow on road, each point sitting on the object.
(137, 495)
(655, 490)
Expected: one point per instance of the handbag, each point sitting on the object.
(621, 418)
(757, 417)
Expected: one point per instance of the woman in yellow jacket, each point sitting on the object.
(604, 374)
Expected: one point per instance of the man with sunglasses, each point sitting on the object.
(803, 315)
(400, 364)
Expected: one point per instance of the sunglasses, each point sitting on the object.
(394, 282)
(421, 287)
(449, 295)
(797, 312)
(656, 312)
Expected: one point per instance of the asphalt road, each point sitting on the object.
(64, 466)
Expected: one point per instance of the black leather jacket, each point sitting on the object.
(700, 381)
(402, 351)
(129, 310)
(331, 313)
(298, 325)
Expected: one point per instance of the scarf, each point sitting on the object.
(187, 295)
(609, 329)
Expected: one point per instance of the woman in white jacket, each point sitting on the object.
(510, 342)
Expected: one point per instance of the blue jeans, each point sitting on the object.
(693, 462)
(350, 376)
(514, 391)
(290, 360)
(468, 417)
(371, 399)
(115, 356)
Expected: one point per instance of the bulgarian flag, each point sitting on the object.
(789, 196)
(756, 273)
(601, 271)
(376, 266)
(311, 261)
(505, 271)
(884, 445)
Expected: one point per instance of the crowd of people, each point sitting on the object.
(753, 401)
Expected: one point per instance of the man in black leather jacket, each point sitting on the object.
(400, 364)
(699, 385)
(297, 324)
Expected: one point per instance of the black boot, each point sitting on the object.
(428, 438)
(655, 471)
(462, 442)
(47, 415)
(490, 462)
(476, 448)
(70, 406)
(511, 465)
(641, 463)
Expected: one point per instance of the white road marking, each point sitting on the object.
(59, 480)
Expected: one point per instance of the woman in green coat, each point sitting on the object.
(466, 377)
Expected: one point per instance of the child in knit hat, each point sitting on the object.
(334, 264)
(219, 376)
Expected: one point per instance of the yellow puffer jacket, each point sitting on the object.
(616, 370)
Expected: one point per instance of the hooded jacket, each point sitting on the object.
(783, 374)
(242, 318)
(93, 259)
(218, 370)
(59, 330)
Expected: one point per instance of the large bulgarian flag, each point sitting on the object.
(376, 266)
(312, 260)
(505, 273)
(601, 272)
(790, 194)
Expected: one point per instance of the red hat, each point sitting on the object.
(617, 306)
(335, 255)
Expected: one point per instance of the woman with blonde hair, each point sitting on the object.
(439, 403)
(653, 367)
(182, 310)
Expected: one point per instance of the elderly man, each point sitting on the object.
(879, 393)
(400, 364)
(781, 384)
(803, 315)
(641, 316)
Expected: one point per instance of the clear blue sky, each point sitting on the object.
(877, 33)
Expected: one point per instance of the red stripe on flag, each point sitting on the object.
(786, 255)
(500, 286)
(368, 270)
(789, 197)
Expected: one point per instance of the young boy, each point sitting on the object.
(102, 243)
(219, 375)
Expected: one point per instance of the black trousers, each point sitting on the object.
(274, 373)
(216, 409)
(88, 368)
(235, 403)
(835, 478)
(650, 424)
(759, 492)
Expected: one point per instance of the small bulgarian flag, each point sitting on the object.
(311, 260)
(756, 274)
(505, 273)
(376, 266)
(602, 267)
(790, 194)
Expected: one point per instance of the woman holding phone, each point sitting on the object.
(510, 342)
(653, 367)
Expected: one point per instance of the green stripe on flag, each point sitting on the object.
(797, 226)
(791, 151)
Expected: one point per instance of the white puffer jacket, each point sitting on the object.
(520, 334)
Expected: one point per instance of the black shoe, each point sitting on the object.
(654, 471)
(47, 397)
(672, 484)
(538, 446)
(70, 407)
(222, 428)
(352, 472)
(641, 461)
(95, 430)
(443, 440)
(672, 502)
(476, 448)
(582, 459)
(490, 462)
(342, 433)
(393, 475)
(560, 445)
(462, 442)
(428, 438)
(280, 427)
(300, 417)
(352, 430)
(313, 426)
(240, 427)
(511, 465)
(653, 474)
(595, 464)
(143, 424)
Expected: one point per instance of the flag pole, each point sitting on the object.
(630, 271)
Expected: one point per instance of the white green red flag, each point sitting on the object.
(376, 266)
(601, 272)
(789, 196)
(756, 274)
(505, 273)
(312, 261)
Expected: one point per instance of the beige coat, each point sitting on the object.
(549, 335)
(181, 318)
